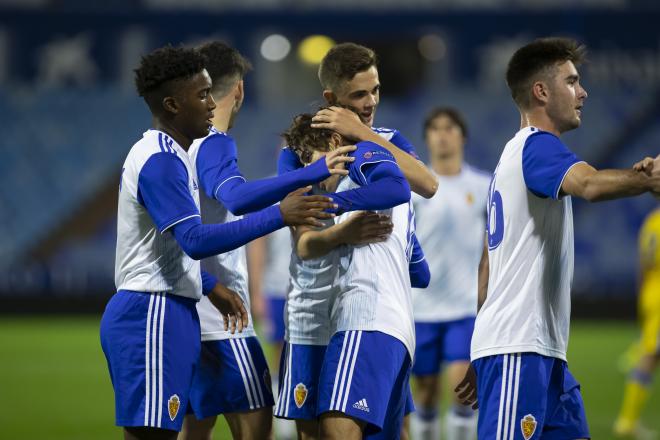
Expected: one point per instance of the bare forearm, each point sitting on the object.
(482, 280)
(313, 243)
(595, 186)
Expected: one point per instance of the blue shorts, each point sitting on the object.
(300, 369)
(232, 376)
(439, 342)
(528, 396)
(275, 324)
(365, 375)
(151, 342)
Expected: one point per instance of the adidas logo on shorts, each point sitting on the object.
(362, 405)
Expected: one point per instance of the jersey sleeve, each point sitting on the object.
(163, 190)
(367, 156)
(288, 161)
(545, 162)
(400, 141)
(217, 163)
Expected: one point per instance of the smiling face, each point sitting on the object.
(566, 97)
(195, 105)
(361, 93)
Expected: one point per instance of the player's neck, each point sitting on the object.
(447, 166)
(538, 118)
(221, 118)
(172, 132)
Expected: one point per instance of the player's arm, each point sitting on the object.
(482, 278)
(256, 259)
(229, 303)
(552, 170)
(360, 228)
(163, 191)
(348, 124)
(418, 268)
(221, 179)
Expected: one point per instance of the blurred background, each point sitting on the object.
(69, 114)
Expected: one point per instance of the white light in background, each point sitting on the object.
(432, 47)
(275, 47)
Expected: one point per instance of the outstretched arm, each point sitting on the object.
(586, 182)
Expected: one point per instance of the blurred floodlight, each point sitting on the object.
(313, 48)
(432, 47)
(275, 47)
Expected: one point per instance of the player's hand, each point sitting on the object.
(300, 210)
(231, 308)
(467, 389)
(336, 160)
(342, 120)
(645, 165)
(366, 227)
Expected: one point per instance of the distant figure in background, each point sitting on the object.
(268, 264)
(638, 385)
(450, 226)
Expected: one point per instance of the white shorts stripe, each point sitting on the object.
(147, 359)
(288, 383)
(281, 388)
(257, 378)
(248, 373)
(240, 368)
(509, 392)
(502, 392)
(351, 369)
(341, 359)
(516, 383)
(154, 366)
(344, 371)
(160, 359)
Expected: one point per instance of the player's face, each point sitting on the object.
(444, 138)
(196, 106)
(566, 97)
(330, 184)
(362, 93)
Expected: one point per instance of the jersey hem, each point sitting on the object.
(223, 335)
(494, 351)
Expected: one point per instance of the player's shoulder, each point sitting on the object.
(152, 142)
(368, 151)
(477, 174)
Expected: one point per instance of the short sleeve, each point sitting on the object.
(367, 155)
(217, 163)
(545, 162)
(288, 161)
(163, 190)
(400, 141)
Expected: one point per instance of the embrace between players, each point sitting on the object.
(349, 315)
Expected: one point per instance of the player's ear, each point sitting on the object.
(330, 97)
(170, 105)
(540, 91)
(239, 93)
(335, 140)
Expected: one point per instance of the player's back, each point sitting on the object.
(374, 287)
(230, 268)
(530, 241)
(450, 226)
(148, 258)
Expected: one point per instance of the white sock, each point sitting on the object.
(461, 422)
(282, 428)
(424, 424)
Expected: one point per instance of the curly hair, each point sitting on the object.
(534, 59)
(166, 64)
(343, 62)
(224, 64)
(304, 140)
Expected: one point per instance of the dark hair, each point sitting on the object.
(449, 112)
(342, 62)
(304, 140)
(164, 65)
(535, 58)
(224, 64)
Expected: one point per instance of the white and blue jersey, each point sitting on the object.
(158, 189)
(530, 241)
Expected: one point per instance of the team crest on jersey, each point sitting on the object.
(300, 394)
(469, 198)
(173, 405)
(528, 426)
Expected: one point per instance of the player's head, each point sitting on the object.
(349, 76)
(543, 74)
(177, 89)
(445, 132)
(310, 144)
(227, 67)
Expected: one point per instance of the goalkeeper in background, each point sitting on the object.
(638, 384)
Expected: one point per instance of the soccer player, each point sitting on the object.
(524, 389)
(637, 387)
(232, 377)
(150, 328)
(349, 77)
(450, 226)
(363, 386)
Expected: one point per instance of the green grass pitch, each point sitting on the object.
(54, 383)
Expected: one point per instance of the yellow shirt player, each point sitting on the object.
(639, 381)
